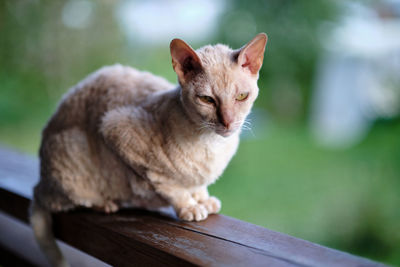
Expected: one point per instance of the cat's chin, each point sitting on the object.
(225, 133)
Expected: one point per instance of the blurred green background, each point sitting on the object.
(342, 191)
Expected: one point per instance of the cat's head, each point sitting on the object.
(219, 85)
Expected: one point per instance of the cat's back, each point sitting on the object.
(105, 89)
(118, 81)
(118, 78)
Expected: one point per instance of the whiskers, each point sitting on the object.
(212, 126)
(245, 126)
(206, 125)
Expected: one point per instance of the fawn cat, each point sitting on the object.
(126, 138)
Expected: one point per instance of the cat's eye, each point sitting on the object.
(242, 96)
(206, 99)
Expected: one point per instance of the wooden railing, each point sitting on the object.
(141, 238)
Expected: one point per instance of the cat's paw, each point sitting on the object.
(193, 213)
(212, 204)
(110, 207)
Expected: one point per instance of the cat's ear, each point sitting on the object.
(185, 61)
(250, 57)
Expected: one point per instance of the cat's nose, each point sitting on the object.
(227, 123)
(226, 117)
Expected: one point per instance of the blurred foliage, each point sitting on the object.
(292, 51)
(347, 199)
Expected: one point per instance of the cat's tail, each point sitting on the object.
(41, 222)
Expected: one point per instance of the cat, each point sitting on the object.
(126, 138)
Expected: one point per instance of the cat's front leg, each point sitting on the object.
(185, 206)
(211, 203)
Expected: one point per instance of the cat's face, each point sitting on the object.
(219, 85)
(220, 99)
